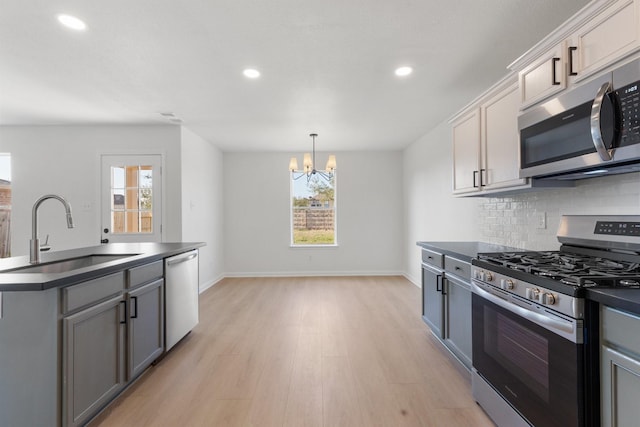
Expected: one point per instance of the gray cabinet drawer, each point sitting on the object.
(457, 267)
(145, 273)
(77, 296)
(433, 258)
(621, 328)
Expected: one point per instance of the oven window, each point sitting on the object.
(521, 351)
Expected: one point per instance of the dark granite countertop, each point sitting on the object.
(624, 299)
(141, 253)
(465, 251)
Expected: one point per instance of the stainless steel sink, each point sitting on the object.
(70, 264)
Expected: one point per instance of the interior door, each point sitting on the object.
(131, 198)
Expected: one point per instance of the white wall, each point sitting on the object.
(65, 160)
(431, 213)
(202, 201)
(257, 219)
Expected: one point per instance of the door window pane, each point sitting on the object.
(5, 205)
(132, 201)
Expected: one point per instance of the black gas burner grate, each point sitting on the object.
(570, 269)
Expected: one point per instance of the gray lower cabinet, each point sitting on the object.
(620, 368)
(446, 302)
(458, 332)
(112, 330)
(93, 359)
(146, 326)
(432, 300)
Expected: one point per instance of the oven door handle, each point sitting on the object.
(564, 328)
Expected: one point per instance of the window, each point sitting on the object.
(131, 206)
(5, 205)
(313, 209)
(131, 198)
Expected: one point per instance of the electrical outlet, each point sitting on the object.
(541, 220)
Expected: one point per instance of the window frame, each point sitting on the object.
(153, 158)
(301, 176)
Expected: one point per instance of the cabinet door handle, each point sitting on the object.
(123, 304)
(481, 183)
(443, 286)
(474, 179)
(439, 283)
(134, 300)
(571, 50)
(553, 71)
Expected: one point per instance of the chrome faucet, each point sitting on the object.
(34, 243)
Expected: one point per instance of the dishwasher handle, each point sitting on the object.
(180, 259)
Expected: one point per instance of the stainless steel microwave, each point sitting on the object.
(589, 131)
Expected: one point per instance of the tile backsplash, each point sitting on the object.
(515, 220)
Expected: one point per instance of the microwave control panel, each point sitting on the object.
(629, 97)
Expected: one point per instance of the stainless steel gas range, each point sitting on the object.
(535, 336)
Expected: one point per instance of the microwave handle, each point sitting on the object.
(596, 133)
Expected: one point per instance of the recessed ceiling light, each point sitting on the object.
(251, 73)
(72, 22)
(403, 71)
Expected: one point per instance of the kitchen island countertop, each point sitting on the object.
(465, 251)
(141, 253)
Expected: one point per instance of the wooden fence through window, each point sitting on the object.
(313, 218)
(5, 232)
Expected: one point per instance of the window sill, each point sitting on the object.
(335, 245)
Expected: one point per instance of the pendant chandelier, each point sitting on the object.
(309, 162)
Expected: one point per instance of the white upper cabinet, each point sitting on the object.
(486, 143)
(486, 156)
(500, 142)
(609, 36)
(544, 77)
(602, 33)
(466, 153)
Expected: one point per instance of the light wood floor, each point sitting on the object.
(339, 351)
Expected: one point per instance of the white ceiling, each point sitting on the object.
(327, 65)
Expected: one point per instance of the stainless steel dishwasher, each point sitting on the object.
(181, 296)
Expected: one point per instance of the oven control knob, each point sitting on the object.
(506, 284)
(548, 299)
(489, 276)
(532, 293)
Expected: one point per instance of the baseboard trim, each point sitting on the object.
(313, 273)
(205, 286)
(413, 280)
(211, 283)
